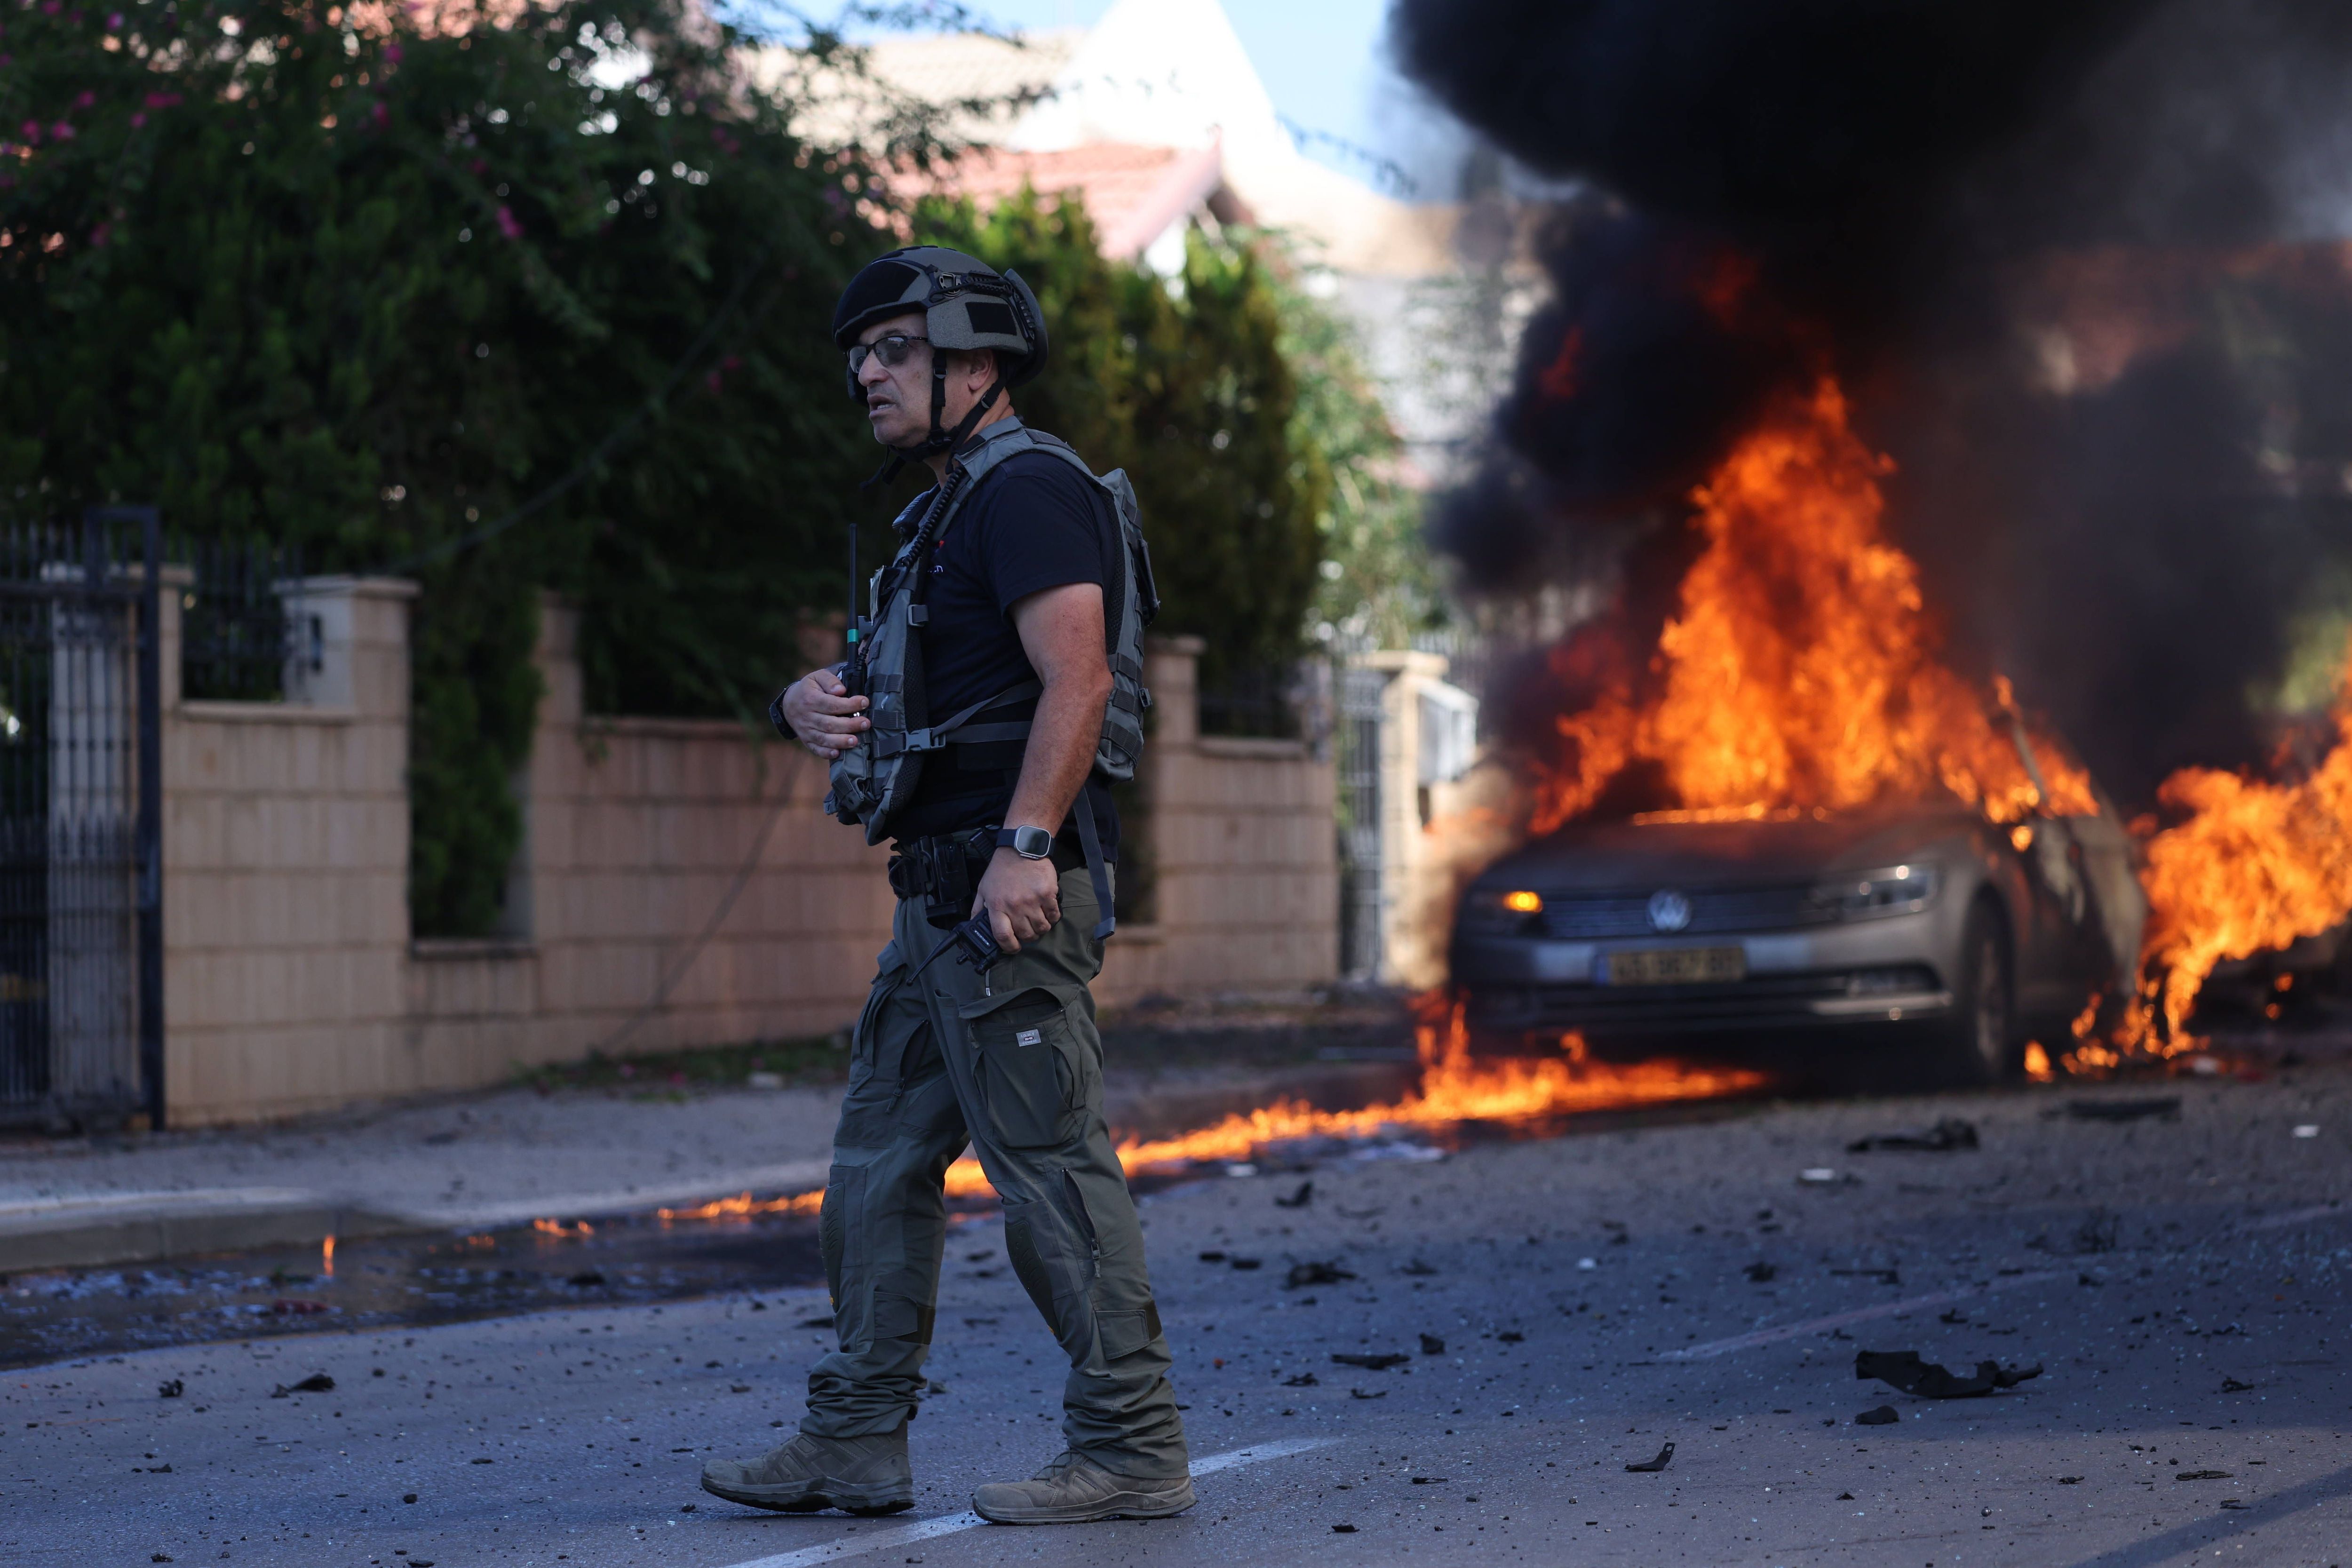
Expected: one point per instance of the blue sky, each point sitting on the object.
(1324, 62)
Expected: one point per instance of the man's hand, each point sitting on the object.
(821, 712)
(1023, 899)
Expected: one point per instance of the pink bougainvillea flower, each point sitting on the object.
(382, 112)
(63, 130)
(138, 118)
(114, 22)
(392, 54)
(508, 224)
(85, 99)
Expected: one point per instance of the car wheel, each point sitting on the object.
(1979, 1042)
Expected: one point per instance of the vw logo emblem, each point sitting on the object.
(1669, 911)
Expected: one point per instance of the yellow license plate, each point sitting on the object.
(1678, 966)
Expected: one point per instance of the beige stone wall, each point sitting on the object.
(291, 984)
(285, 874)
(1247, 861)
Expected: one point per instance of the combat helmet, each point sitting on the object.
(966, 304)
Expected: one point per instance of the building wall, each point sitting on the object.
(1246, 855)
(291, 983)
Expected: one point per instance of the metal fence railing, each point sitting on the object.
(1253, 701)
(235, 638)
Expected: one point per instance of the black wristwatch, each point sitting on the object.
(1029, 843)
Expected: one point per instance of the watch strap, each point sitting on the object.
(1029, 843)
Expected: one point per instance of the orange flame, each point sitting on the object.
(557, 1228)
(2251, 867)
(745, 1205)
(1800, 674)
(1800, 671)
(1453, 1089)
(327, 1258)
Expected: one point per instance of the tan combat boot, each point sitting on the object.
(1074, 1490)
(857, 1475)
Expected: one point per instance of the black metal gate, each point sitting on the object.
(82, 954)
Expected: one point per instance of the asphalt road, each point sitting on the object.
(2183, 1283)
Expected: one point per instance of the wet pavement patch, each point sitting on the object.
(398, 1280)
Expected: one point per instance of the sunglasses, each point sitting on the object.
(891, 348)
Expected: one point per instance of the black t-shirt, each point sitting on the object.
(1032, 522)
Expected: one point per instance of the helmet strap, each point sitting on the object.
(939, 440)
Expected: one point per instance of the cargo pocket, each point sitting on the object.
(866, 1105)
(1124, 1333)
(1028, 1067)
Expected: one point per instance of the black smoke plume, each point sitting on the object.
(2081, 267)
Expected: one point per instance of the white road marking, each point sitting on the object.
(1860, 1315)
(948, 1523)
(2299, 1216)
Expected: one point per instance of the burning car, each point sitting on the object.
(1967, 936)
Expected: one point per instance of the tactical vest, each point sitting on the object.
(876, 779)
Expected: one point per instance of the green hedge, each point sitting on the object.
(368, 294)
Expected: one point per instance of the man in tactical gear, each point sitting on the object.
(993, 690)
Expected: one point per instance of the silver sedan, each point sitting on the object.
(1974, 936)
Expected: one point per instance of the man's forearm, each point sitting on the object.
(1063, 737)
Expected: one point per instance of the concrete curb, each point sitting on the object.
(152, 1228)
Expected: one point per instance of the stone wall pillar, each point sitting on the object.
(1419, 753)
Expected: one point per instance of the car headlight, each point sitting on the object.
(1892, 890)
(1498, 910)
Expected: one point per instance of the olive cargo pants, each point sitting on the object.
(1014, 1066)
